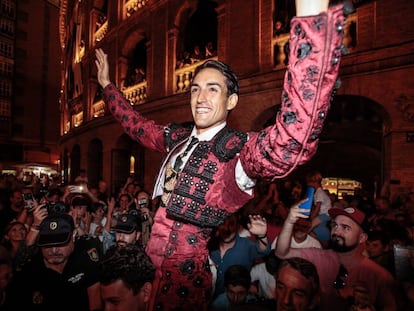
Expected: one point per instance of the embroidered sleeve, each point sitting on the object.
(315, 50)
(140, 129)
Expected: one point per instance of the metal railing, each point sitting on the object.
(183, 76)
(136, 94)
(101, 32)
(131, 6)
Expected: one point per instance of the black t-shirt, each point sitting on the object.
(39, 288)
(6, 216)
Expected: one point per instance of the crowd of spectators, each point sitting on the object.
(187, 58)
(87, 235)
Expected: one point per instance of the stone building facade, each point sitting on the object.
(153, 48)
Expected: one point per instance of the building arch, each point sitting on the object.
(136, 68)
(197, 25)
(65, 166)
(95, 161)
(352, 141)
(283, 12)
(125, 149)
(133, 55)
(75, 162)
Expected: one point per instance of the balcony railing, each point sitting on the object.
(98, 109)
(67, 127)
(136, 94)
(77, 119)
(279, 51)
(184, 75)
(350, 40)
(131, 6)
(101, 32)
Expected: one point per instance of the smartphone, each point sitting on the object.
(29, 201)
(76, 189)
(142, 202)
(310, 191)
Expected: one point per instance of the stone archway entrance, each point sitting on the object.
(121, 162)
(351, 143)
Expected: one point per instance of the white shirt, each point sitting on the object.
(309, 242)
(267, 282)
(244, 182)
(321, 196)
(93, 226)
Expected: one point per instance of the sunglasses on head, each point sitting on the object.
(340, 281)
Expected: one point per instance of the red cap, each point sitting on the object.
(353, 213)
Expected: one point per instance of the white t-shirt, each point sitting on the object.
(267, 282)
(93, 226)
(322, 197)
(309, 242)
(244, 182)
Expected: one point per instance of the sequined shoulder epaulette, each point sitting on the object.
(228, 143)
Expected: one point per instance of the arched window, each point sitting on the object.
(197, 38)
(284, 11)
(95, 162)
(75, 162)
(353, 130)
(65, 166)
(127, 159)
(137, 64)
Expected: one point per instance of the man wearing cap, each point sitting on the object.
(127, 231)
(347, 277)
(61, 276)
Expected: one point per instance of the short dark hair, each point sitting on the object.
(130, 264)
(304, 267)
(379, 235)
(127, 195)
(272, 263)
(237, 275)
(231, 78)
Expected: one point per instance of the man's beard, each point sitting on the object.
(121, 243)
(55, 259)
(341, 247)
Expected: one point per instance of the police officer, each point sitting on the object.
(62, 276)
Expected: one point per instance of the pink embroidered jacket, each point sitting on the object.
(206, 191)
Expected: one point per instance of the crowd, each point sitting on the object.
(198, 54)
(77, 240)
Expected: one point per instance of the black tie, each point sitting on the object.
(179, 161)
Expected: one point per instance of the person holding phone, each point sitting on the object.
(144, 204)
(320, 211)
(349, 280)
(29, 201)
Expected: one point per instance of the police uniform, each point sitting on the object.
(37, 287)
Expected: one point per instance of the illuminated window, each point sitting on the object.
(340, 186)
(132, 165)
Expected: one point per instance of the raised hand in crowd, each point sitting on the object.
(39, 214)
(257, 226)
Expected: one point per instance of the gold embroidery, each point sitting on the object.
(170, 181)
